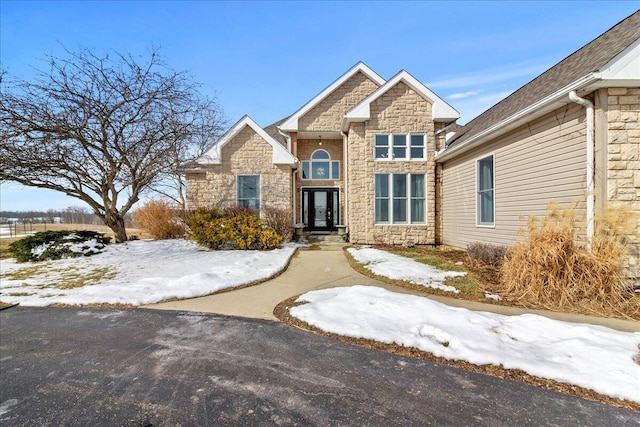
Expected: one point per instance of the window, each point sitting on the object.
(400, 198)
(485, 198)
(398, 148)
(321, 166)
(249, 192)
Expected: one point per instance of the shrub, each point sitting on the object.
(280, 220)
(160, 220)
(551, 269)
(50, 245)
(488, 254)
(232, 229)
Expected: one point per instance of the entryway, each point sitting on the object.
(321, 209)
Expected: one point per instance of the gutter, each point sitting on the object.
(287, 136)
(514, 120)
(590, 162)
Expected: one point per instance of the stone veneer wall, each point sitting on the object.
(623, 174)
(400, 110)
(246, 154)
(328, 114)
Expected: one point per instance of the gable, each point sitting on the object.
(327, 114)
(291, 124)
(441, 111)
(246, 126)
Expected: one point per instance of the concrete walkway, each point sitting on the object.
(324, 265)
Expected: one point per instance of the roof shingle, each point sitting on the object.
(590, 58)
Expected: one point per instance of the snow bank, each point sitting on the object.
(397, 267)
(145, 272)
(589, 356)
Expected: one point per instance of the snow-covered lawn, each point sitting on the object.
(138, 272)
(397, 267)
(593, 357)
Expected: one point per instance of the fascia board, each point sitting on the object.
(291, 124)
(515, 120)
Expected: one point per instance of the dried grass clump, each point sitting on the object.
(160, 220)
(281, 220)
(488, 254)
(550, 268)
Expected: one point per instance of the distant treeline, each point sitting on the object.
(70, 215)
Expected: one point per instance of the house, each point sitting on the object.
(361, 139)
(387, 159)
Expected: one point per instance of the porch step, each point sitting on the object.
(322, 241)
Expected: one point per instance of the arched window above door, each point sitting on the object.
(320, 166)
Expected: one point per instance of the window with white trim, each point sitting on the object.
(248, 192)
(320, 166)
(400, 146)
(485, 197)
(399, 198)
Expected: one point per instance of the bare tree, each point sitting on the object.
(102, 129)
(172, 183)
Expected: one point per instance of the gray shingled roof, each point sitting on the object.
(272, 131)
(588, 59)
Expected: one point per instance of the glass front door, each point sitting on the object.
(320, 208)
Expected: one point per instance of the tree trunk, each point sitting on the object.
(116, 223)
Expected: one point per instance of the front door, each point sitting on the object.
(320, 208)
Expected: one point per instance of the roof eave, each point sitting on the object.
(517, 119)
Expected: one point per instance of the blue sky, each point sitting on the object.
(266, 59)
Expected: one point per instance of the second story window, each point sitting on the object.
(321, 166)
(400, 146)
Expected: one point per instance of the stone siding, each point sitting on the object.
(400, 110)
(246, 154)
(623, 172)
(328, 114)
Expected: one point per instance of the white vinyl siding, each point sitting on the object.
(535, 164)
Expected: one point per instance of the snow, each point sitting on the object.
(589, 356)
(141, 272)
(397, 267)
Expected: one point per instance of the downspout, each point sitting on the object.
(590, 164)
(294, 195)
(293, 173)
(345, 166)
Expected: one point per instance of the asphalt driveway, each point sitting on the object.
(63, 366)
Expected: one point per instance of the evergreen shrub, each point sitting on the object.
(51, 245)
(232, 229)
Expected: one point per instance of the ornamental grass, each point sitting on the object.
(552, 267)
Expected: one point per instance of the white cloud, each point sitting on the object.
(461, 95)
(488, 76)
